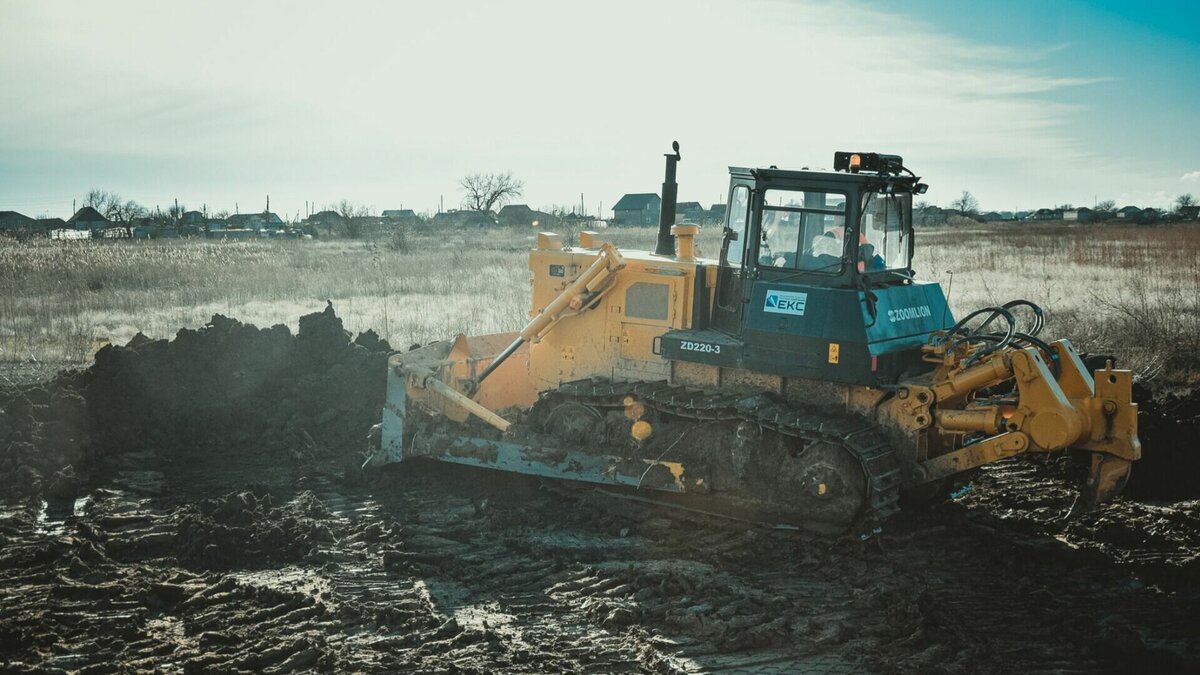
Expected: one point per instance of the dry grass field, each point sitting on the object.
(1130, 291)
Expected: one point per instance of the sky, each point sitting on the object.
(388, 104)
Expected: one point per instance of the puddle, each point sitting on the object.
(52, 517)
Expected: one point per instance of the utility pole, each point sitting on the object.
(268, 204)
(441, 203)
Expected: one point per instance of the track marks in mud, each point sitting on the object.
(441, 570)
(1025, 502)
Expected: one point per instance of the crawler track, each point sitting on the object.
(859, 438)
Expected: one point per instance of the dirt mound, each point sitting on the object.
(228, 388)
(1169, 428)
(233, 386)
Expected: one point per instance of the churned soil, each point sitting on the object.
(195, 505)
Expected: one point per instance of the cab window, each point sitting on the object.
(885, 229)
(736, 218)
(803, 230)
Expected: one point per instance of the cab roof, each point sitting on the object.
(775, 173)
(824, 178)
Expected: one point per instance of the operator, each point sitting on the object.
(830, 242)
(773, 226)
(868, 259)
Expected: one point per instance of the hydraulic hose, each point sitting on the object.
(977, 334)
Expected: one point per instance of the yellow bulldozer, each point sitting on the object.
(802, 378)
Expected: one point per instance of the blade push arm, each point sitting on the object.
(577, 296)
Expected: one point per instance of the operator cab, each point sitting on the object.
(831, 228)
(815, 276)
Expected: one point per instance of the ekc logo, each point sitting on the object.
(784, 302)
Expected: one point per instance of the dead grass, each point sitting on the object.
(63, 299)
(1130, 291)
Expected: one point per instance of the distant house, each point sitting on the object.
(690, 212)
(326, 219)
(637, 209)
(398, 214)
(1190, 212)
(931, 215)
(521, 215)
(1149, 215)
(716, 214)
(194, 218)
(254, 221)
(48, 224)
(1082, 214)
(88, 218)
(11, 220)
(1046, 214)
(464, 219)
(1129, 213)
(152, 221)
(993, 216)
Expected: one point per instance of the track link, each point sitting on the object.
(859, 436)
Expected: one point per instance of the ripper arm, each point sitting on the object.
(1073, 410)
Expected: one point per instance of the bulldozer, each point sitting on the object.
(802, 378)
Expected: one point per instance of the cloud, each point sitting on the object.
(379, 113)
(1191, 176)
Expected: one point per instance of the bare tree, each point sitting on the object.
(111, 206)
(130, 210)
(350, 214)
(176, 211)
(965, 204)
(486, 191)
(1106, 205)
(1183, 201)
(105, 202)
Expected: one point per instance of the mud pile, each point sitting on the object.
(227, 389)
(233, 387)
(1169, 428)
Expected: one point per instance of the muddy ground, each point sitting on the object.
(192, 505)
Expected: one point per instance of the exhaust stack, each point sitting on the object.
(666, 215)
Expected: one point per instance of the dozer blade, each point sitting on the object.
(553, 463)
(1107, 476)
